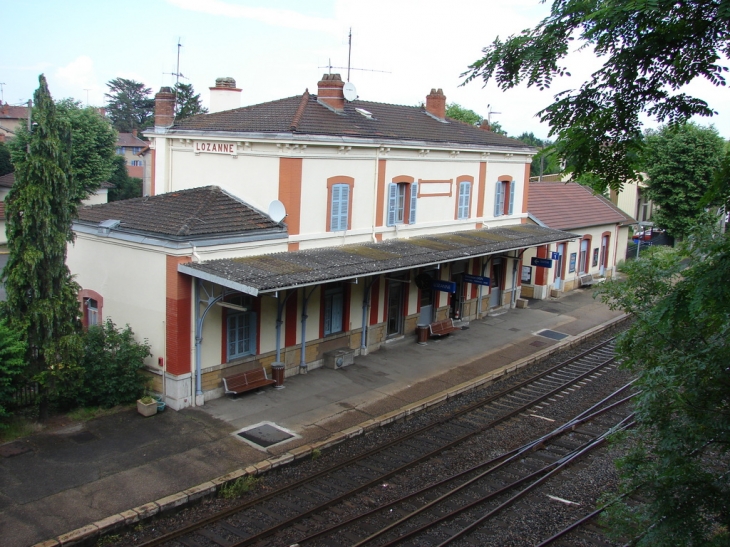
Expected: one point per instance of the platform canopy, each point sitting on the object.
(270, 273)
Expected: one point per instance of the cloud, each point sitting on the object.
(274, 17)
(76, 78)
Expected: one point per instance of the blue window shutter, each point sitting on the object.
(344, 206)
(498, 200)
(464, 199)
(512, 196)
(392, 203)
(340, 205)
(414, 199)
(335, 214)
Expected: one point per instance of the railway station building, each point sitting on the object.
(304, 231)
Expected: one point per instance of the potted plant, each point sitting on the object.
(147, 406)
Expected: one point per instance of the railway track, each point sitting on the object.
(304, 507)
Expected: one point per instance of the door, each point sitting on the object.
(495, 289)
(457, 299)
(395, 308)
(423, 281)
(583, 261)
(559, 267)
(604, 255)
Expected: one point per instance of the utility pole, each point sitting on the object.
(2, 94)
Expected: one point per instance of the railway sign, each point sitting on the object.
(476, 279)
(443, 286)
(555, 255)
(541, 262)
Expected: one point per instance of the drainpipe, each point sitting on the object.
(365, 306)
(302, 362)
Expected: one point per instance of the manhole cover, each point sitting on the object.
(264, 435)
(553, 335)
(513, 329)
(14, 449)
(83, 437)
(538, 344)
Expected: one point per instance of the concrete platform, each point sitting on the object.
(93, 477)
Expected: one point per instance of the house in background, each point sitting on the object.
(301, 232)
(632, 200)
(11, 117)
(130, 146)
(603, 229)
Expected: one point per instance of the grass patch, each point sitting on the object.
(17, 427)
(107, 540)
(316, 453)
(239, 487)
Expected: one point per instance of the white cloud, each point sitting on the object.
(270, 16)
(78, 80)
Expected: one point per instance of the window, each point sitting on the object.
(136, 150)
(333, 310)
(340, 207)
(136, 163)
(92, 312)
(464, 200)
(400, 195)
(120, 151)
(505, 198)
(241, 334)
(583, 262)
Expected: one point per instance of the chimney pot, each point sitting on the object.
(164, 107)
(330, 92)
(225, 95)
(436, 103)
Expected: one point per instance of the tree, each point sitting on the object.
(545, 162)
(125, 187)
(458, 112)
(681, 163)
(6, 165)
(12, 364)
(677, 346)
(649, 49)
(130, 106)
(41, 294)
(187, 103)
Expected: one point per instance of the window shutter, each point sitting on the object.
(512, 196)
(335, 205)
(414, 198)
(498, 200)
(392, 203)
(464, 199)
(344, 206)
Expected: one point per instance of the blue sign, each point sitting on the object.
(542, 262)
(444, 286)
(476, 279)
(555, 255)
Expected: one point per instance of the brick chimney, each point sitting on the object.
(225, 95)
(485, 126)
(436, 103)
(164, 108)
(330, 93)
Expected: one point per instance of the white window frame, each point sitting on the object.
(92, 312)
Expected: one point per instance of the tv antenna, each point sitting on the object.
(2, 94)
(329, 67)
(87, 89)
(489, 114)
(177, 72)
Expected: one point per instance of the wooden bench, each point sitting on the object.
(442, 328)
(585, 280)
(251, 379)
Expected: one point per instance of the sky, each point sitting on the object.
(276, 49)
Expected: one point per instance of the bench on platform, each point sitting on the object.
(442, 328)
(251, 379)
(585, 280)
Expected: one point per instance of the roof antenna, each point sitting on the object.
(2, 94)
(489, 115)
(349, 55)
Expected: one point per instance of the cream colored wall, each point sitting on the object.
(100, 196)
(494, 171)
(130, 279)
(628, 198)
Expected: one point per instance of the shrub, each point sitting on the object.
(12, 364)
(112, 363)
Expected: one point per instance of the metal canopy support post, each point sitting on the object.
(365, 306)
(302, 359)
(199, 319)
(485, 264)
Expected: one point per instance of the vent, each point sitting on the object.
(265, 434)
(363, 112)
(107, 226)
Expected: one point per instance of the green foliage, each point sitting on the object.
(187, 103)
(681, 162)
(125, 187)
(12, 365)
(41, 294)
(458, 112)
(546, 161)
(678, 348)
(237, 488)
(111, 368)
(650, 50)
(6, 166)
(130, 106)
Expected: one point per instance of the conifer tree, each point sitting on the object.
(41, 294)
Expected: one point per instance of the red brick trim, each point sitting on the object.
(482, 188)
(423, 183)
(526, 188)
(85, 294)
(290, 191)
(380, 205)
(330, 183)
(608, 249)
(178, 317)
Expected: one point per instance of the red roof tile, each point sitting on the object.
(7, 181)
(569, 206)
(128, 139)
(9, 112)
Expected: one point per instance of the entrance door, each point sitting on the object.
(495, 289)
(583, 263)
(559, 267)
(604, 255)
(395, 308)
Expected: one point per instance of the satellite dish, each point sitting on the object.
(349, 91)
(277, 212)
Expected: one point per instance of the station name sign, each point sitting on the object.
(214, 147)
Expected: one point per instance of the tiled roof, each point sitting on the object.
(303, 115)
(7, 181)
(2, 210)
(207, 211)
(268, 273)
(9, 112)
(128, 139)
(569, 206)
